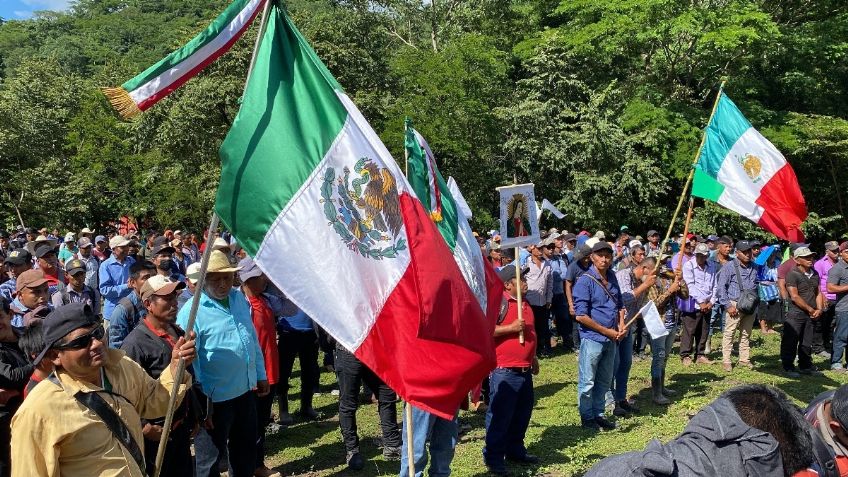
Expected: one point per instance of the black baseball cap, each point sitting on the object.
(43, 249)
(508, 272)
(744, 246)
(64, 320)
(18, 256)
(602, 245)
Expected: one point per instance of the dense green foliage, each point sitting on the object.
(599, 102)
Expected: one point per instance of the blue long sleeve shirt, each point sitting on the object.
(591, 300)
(113, 282)
(229, 360)
(727, 286)
(122, 321)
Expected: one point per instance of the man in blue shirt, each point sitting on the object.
(559, 305)
(130, 310)
(728, 291)
(229, 367)
(599, 309)
(17, 261)
(114, 274)
(578, 266)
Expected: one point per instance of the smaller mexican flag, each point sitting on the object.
(148, 87)
(438, 200)
(742, 171)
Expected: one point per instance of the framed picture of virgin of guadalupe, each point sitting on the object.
(519, 218)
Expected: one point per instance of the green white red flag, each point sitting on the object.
(313, 195)
(742, 171)
(143, 91)
(437, 198)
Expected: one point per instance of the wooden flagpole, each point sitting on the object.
(683, 195)
(518, 279)
(201, 280)
(691, 176)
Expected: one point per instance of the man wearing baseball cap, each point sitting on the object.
(54, 434)
(511, 382)
(805, 306)
(150, 344)
(76, 291)
(700, 278)
(822, 336)
(101, 248)
(17, 261)
(92, 264)
(837, 283)
(32, 298)
(599, 308)
(68, 248)
(728, 291)
(653, 244)
(114, 274)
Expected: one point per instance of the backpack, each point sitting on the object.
(825, 457)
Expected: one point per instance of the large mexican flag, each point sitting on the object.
(311, 193)
(741, 170)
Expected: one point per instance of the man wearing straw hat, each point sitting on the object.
(229, 367)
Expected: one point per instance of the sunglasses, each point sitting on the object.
(83, 341)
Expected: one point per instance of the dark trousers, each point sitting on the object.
(641, 337)
(695, 327)
(352, 373)
(6, 443)
(543, 330)
(177, 461)
(822, 330)
(510, 407)
(235, 433)
(304, 346)
(797, 340)
(263, 418)
(559, 310)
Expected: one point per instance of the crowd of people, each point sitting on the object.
(91, 332)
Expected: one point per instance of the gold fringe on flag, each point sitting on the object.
(436, 216)
(122, 102)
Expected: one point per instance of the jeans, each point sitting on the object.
(543, 329)
(205, 454)
(304, 346)
(559, 310)
(623, 362)
(235, 432)
(594, 376)
(510, 406)
(442, 434)
(797, 339)
(660, 349)
(840, 338)
(351, 373)
(695, 327)
(717, 317)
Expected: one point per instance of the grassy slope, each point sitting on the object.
(315, 449)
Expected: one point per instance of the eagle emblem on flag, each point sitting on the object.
(363, 207)
(752, 166)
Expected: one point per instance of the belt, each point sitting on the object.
(516, 369)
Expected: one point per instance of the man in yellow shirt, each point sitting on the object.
(55, 434)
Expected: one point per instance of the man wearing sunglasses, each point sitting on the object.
(57, 430)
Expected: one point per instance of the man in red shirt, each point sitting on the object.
(511, 382)
(253, 284)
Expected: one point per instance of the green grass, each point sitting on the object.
(315, 449)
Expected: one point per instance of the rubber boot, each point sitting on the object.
(665, 391)
(656, 392)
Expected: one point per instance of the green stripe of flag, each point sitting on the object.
(419, 178)
(726, 127)
(261, 170)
